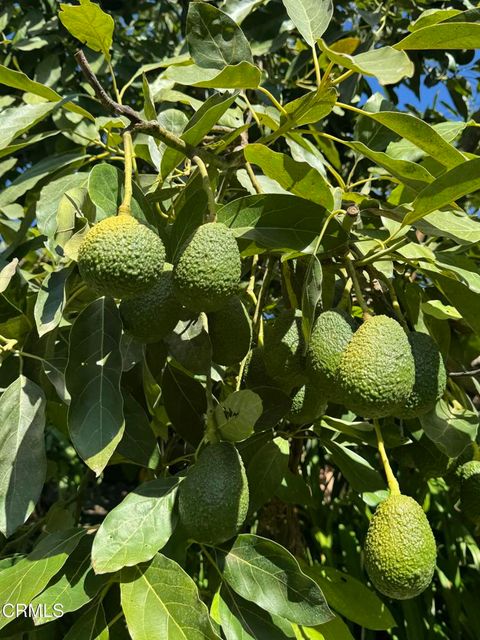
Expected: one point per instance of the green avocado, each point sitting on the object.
(331, 333)
(207, 272)
(283, 350)
(377, 371)
(400, 550)
(230, 332)
(430, 377)
(308, 404)
(469, 474)
(152, 315)
(120, 257)
(213, 497)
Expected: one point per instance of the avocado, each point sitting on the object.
(308, 404)
(213, 497)
(152, 315)
(120, 257)
(430, 377)
(331, 333)
(208, 269)
(400, 550)
(377, 371)
(283, 350)
(230, 331)
(469, 474)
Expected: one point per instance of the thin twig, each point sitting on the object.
(459, 374)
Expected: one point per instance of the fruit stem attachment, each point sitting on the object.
(207, 187)
(126, 207)
(356, 287)
(211, 431)
(391, 480)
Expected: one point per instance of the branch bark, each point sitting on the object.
(137, 123)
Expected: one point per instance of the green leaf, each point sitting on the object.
(26, 142)
(358, 471)
(450, 430)
(138, 444)
(297, 177)
(95, 415)
(311, 295)
(335, 629)
(421, 134)
(50, 197)
(281, 222)
(189, 343)
(89, 24)
(244, 620)
(105, 188)
(243, 75)
(461, 180)
(161, 601)
(309, 108)
(197, 127)
(443, 36)
(20, 119)
(311, 17)
(351, 598)
(51, 301)
(264, 572)
(386, 64)
(265, 471)
(441, 311)
(23, 462)
(213, 38)
(92, 625)
(73, 588)
(237, 414)
(137, 528)
(21, 582)
(18, 80)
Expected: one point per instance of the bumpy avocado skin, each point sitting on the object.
(331, 333)
(213, 497)
(469, 474)
(152, 315)
(377, 371)
(283, 350)
(230, 332)
(430, 377)
(400, 550)
(120, 257)
(207, 272)
(308, 404)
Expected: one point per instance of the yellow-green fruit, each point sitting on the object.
(331, 333)
(469, 474)
(213, 497)
(150, 316)
(230, 332)
(307, 405)
(121, 257)
(208, 271)
(377, 372)
(283, 350)
(430, 377)
(400, 550)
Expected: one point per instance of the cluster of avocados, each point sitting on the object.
(123, 258)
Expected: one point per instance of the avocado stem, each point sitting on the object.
(391, 480)
(211, 431)
(207, 187)
(375, 273)
(356, 287)
(126, 207)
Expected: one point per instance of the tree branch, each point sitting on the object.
(137, 123)
(459, 374)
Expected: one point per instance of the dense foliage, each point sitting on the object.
(334, 148)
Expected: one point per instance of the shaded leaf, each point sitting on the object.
(92, 624)
(23, 462)
(95, 415)
(451, 431)
(237, 414)
(358, 471)
(265, 471)
(185, 403)
(51, 301)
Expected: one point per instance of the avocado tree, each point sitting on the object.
(240, 320)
